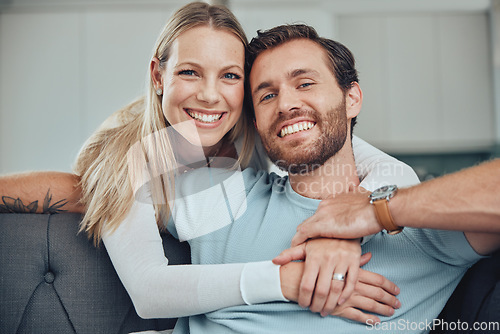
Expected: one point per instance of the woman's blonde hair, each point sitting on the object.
(104, 163)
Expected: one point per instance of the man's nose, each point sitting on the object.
(288, 101)
(209, 92)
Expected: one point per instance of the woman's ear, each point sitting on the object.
(155, 71)
(354, 100)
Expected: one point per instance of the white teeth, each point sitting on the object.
(204, 117)
(301, 126)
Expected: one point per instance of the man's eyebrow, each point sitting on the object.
(263, 85)
(301, 71)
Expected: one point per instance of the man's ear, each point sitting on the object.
(354, 100)
(154, 69)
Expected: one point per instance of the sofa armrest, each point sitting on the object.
(52, 279)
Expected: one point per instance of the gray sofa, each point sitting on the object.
(52, 280)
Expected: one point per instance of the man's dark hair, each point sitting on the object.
(341, 59)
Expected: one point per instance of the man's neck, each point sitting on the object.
(335, 176)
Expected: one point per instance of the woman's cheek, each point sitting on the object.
(236, 95)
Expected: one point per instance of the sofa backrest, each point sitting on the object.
(52, 280)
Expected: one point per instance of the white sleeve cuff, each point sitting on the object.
(260, 283)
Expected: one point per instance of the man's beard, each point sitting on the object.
(296, 160)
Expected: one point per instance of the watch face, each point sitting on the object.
(384, 192)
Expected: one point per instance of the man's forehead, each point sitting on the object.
(288, 60)
(296, 48)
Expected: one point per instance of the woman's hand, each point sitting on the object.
(323, 258)
(373, 293)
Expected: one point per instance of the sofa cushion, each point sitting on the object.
(53, 280)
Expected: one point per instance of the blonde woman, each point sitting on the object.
(194, 103)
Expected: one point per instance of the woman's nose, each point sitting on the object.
(209, 92)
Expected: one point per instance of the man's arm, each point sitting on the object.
(40, 192)
(467, 201)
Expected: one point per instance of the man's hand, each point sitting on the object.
(324, 257)
(373, 293)
(346, 216)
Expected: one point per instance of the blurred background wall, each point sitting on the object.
(429, 70)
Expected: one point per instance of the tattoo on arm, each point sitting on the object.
(12, 205)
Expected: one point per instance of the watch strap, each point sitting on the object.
(384, 216)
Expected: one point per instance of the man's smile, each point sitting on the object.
(290, 129)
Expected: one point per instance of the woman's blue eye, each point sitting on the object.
(187, 72)
(231, 76)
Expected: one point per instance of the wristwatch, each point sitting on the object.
(380, 199)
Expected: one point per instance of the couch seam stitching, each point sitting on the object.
(53, 287)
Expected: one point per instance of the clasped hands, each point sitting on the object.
(310, 282)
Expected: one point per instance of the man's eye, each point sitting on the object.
(267, 97)
(307, 84)
(232, 76)
(187, 72)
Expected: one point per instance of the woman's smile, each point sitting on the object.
(205, 117)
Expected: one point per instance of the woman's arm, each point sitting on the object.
(161, 291)
(40, 192)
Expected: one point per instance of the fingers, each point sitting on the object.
(301, 236)
(336, 288)
(308, 283)
(317, 287)
(365, 258)
(290, 254)
(358, 315)
(315, 226)
(377, 280)
(350, 283)
(383, 299)
(368, 304)
(327, 290)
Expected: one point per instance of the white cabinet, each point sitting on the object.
(426, 79)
